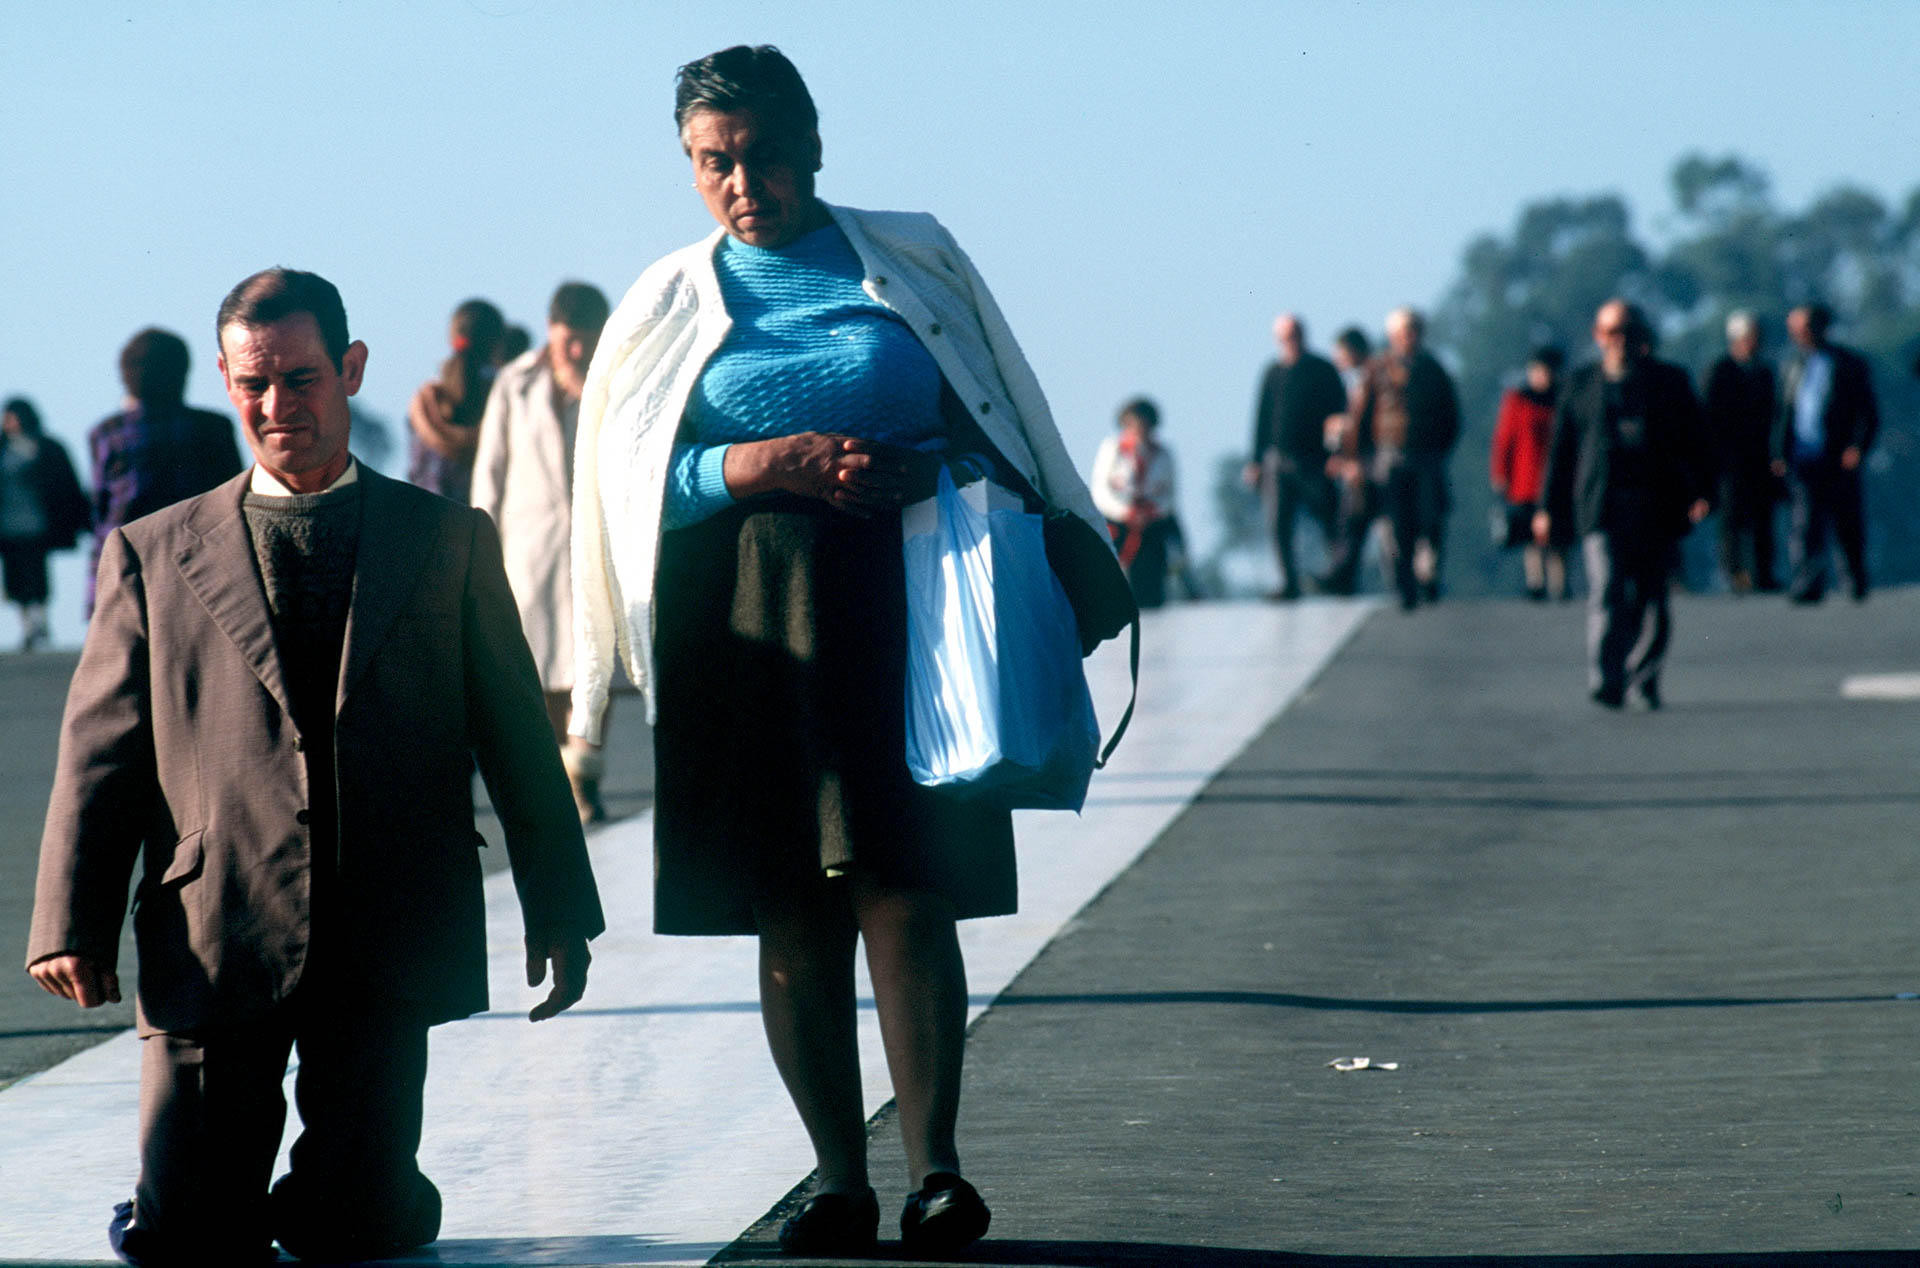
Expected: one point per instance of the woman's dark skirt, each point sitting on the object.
(780, 751)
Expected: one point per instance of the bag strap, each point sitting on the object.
(1120, 728)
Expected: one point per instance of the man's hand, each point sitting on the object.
(1780, 467)
(78, 978)
(570, 959)
(1850, 458)
(1700, 509)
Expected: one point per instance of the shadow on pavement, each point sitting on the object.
(1070, 1254)
(1322, 1003)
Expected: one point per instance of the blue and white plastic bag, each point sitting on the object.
(997, 702)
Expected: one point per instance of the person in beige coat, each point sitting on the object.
(274, 721)
(523, 478)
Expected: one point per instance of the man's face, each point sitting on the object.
(757, 184)
(1744, 345)
(571, 350)
(1403, 337)
(1610, 335)
(1800, 330)
(1286, 337)
(291, 401)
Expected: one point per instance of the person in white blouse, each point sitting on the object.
(1133, 485)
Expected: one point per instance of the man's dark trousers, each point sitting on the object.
(212, 1112)
(1826, 501)
(1300, 484)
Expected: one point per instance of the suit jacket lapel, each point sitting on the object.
(393, 548)
(218, 565)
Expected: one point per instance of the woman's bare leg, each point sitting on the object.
(807, 1006)
(920, 987)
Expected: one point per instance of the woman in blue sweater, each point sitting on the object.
(761, 406)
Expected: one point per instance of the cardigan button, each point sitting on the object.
(879, 281)
(301, 817)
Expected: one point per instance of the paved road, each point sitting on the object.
(1642, 975)
(37, 1030)
(1639, 972)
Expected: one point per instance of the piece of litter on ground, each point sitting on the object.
(1347, 1065)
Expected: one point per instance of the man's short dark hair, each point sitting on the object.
(757, 78)
(153, 367)
(1819, 318)
(578, 306)
(1142, 408)
(1355, 341)
(275, 294)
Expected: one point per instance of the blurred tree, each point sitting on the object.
(1732, 247)
(373, 441)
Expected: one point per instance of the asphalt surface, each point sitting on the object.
(1640, 975)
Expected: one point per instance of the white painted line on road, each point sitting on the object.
(648, 1125)
(1881, 687)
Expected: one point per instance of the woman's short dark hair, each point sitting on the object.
(275, 294)
(1550, 355)
(578, 306)
(153, 367)
(1354, 340)
(22, 408)
(1142, 408)
(746, 77)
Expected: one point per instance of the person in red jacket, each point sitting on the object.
(1521, 440)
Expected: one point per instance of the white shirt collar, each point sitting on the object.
(267, 485)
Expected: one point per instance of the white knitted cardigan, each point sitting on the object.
(650, 354)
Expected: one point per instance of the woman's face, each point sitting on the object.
(10, 424)
(756, 183)
(1540, 377)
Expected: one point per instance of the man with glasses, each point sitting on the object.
(1629, 467)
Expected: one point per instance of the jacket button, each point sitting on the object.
(879, 281)
(934, 329)
(301, 817)
(299, 744)
(986, 407)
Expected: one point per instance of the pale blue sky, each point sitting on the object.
(1143, 185)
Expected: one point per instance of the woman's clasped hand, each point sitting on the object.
(863, 477)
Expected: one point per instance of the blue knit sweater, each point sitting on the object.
(808, 351)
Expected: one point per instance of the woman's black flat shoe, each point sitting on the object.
(831, 1225)
(945, 1215)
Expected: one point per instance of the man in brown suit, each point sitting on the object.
(283, 692)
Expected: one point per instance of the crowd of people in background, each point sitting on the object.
(1357, 444)
(1350, 446)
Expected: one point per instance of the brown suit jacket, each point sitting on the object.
(179, 752)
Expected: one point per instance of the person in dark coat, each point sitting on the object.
(41, 510)
(1298, 393)
(1629, 469)
(1827, 422)
(1740, 413)
(1406, 420)
(158, 450)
